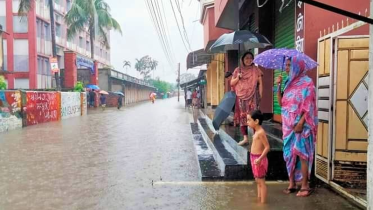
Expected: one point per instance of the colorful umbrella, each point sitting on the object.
(93, 87)
(104, 92)
(232, 41)
(275, 58)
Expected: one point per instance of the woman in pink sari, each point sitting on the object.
(299, 125)
(247, 81)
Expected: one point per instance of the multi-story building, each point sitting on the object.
(27, 46)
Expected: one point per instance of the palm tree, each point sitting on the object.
(139, 65)
(94, 15)
(153, 66)
(24, 8)
(126, 64)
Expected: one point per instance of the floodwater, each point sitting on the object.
(141, 157)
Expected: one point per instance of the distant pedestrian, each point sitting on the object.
(198, 99)
(258, 153)
(92, 96)
(152, 97)
(103, 102)
(189, 98)
(194, 99)
(120, 101)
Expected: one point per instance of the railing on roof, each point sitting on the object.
(128, 78)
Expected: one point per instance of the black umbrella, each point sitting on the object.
(224, 109)
(233, 40)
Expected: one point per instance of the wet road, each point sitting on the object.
(141, 157)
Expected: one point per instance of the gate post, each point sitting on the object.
(370, 117)
(71, 74)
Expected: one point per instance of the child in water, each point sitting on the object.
(258, 154)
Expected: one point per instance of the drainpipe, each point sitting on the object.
(370, 117)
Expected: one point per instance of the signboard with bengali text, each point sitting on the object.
(299, 26)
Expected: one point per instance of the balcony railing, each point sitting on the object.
(125, 77)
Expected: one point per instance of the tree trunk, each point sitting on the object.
(91, 37)
(53, 34)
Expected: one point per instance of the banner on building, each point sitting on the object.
(85, 62)
(54, 65)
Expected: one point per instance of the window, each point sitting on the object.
(58, 30)
(3, 14)
(20, 24)
(38, 28)
(21, 57)
(61, 60)
(40, 67)
(58, 17)
(21, 83)
(87, 46)
(81, 42)
(47, 67)
(68, 5)
(15, 6)
(46, 32)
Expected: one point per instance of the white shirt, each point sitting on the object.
(189, 95)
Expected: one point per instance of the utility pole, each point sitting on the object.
(370, 118)
(54, 45)
(178, 82)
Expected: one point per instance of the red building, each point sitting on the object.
(317, 33)
(28, 47)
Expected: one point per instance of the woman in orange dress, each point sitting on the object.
(247, 81)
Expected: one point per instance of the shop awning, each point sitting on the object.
(194, 83)
(198, 58)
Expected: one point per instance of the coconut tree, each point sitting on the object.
(126, 64)
(140, 65)
(24, 7)
(93, 15)
(153, 66)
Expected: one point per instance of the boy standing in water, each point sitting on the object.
(258, 154)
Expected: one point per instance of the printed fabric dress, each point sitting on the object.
(299, 98)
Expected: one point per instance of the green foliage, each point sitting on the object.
(145, 66)
(163, 86)
(2, 83)
(79, 87)
(94, 15)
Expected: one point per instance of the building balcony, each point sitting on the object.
(211, 32)
(227, 14)
(205, 4)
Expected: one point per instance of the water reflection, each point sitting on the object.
(111, 160)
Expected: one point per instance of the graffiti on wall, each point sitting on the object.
(84, 103)
(70, 105)
(10, 110)
(42, 107)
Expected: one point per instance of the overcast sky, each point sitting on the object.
(140, 37)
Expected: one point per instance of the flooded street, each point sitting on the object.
(141, 157)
